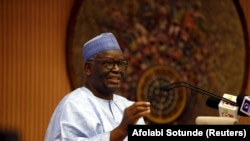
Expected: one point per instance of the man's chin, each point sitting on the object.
(113, 88)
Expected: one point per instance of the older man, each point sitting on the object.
(94, 111)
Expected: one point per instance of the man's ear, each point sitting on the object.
(87, 68)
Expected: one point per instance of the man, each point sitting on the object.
(94, 111)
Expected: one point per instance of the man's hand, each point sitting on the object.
(134, 112)
(130, 116)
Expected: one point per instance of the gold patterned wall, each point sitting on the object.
(33, 74)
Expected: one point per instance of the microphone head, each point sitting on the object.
(213, 102)
(244, 104)
(240, 98)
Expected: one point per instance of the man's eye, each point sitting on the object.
(109, 62)
(123, 62)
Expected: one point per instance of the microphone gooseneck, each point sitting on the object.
(197, 89)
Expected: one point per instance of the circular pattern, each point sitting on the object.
(190, 37)
(166, 106)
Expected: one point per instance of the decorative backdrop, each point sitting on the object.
(197, 41)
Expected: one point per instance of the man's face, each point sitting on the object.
(107, 71)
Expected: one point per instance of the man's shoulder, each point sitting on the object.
(77, 94)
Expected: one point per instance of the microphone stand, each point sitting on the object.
(187, 85)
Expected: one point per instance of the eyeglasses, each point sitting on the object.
(109, 63)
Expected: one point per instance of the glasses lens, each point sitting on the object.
(123, 64)
(109, 64)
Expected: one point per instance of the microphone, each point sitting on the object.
(212, 120)
(214, 100)
(228, 110)
(245, 106)
(216, 103)
(197, 89)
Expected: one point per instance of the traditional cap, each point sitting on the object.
(100, 43)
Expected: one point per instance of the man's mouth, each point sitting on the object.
(114, 79)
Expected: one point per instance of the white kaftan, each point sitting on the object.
(81, 116)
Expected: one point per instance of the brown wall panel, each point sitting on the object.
(33, 69)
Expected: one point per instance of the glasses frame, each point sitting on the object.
(107, 63)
